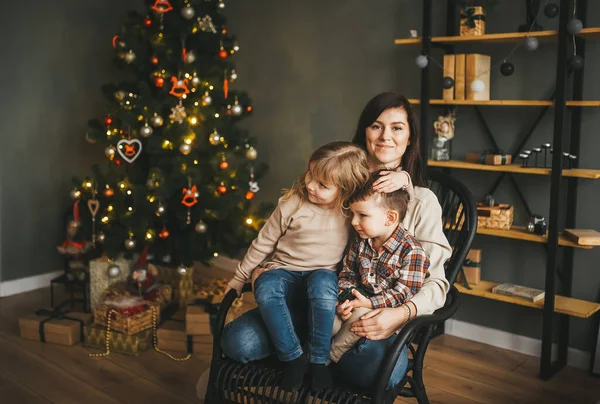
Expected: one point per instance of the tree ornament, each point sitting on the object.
(195, 80)
(130, 243)
(422, 61)
(531, 43)
(108, 192)
(160, 209)
(190, 57)
(129, 57)
(576, 62)
(75, 194)
(214, 138)
(162, 6)
(221, 4)
(222, 52)
(113, 271)
(178, 113)
(154, 60)
(89, 138)
(251, 153)
(159, 82)
(100, 237)
(164, 233)
(146, 130)
(108, 120)
(477, 86)
(205, 24)
(574, 26)
(129, 149)
(221, 189)
(156, 120)
(190, 196)
(180, 87)
(551, 10)
(182, 269)
(507, 68)
(147, 22)
(201, 227)
(236, 46)
(188, 12)
(223, 165)
(448, 82)
(120, 95)
(236, 109)
(233, 76)
(249, 195)
(185, 149)
(110, 152)
(206, 99)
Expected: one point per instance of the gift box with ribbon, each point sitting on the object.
(172, 336)
(54, 326)
(181, 283)
(470, 273)
(472, 20)
(95, 337)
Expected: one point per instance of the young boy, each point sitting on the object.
(385, 265)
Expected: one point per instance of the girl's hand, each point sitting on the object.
(390, 181)
(380, 323)
(228, 288)
(256, 273)
(360, 300)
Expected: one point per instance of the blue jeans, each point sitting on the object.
(274, 290)
(247, 339)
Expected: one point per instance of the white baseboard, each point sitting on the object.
(502, 339)
(23, 285)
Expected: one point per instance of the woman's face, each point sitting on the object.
(387, 138)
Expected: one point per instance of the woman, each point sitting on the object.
(386, 130)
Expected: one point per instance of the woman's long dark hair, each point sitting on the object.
(411, 161)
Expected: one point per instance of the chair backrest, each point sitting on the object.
(459, 217)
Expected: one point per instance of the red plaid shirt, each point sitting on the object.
(393, 275)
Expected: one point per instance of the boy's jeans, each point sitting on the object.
(273, 291)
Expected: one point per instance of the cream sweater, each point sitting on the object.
(298, 237)
(424, 220)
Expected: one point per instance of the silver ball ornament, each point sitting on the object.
(166, 259)
(129, 57)
(206, 100)
(251, 153)
(190, 57)
(100, 237)
(75, 194)
(188, 12)
(113, 271)
(110, 152)
(146, 130)
(214, 138)
(531, 43)
(195, 80)
(477, 86)
(130, 244)
(221, 4)
(157, 121)
(201, 227)
(185, 149)
(574, 26)
(236, 110)
(120, 95)
(182, 269)
(422, 61)
(233, 76)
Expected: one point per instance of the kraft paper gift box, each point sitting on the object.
(172, 336)
(61, 329)
(182, 284)
(471, 268)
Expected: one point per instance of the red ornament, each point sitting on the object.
(164, 233)
(223, 165)
(190, 196)
(108, 120)
(154, 60)
(159, 82)
(221, 189)
(180, 87)
(223, 54)
(249, 108)
(114, 41)
(249, 195)
(225, 87)
(108, 192)
(147, 22)
(162, 6)
(117, 162)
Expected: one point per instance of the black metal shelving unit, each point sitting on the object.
(568, 88)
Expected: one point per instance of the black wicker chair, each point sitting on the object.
(233, 382)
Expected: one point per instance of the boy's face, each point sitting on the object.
(369, 219)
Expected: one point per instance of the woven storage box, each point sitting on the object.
(495, 217)
(94, 336)
(472, 21)
(127, 324)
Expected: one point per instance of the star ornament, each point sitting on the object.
(178, 113)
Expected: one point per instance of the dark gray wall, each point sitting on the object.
(310, 67)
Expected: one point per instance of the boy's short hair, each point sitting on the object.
(397, 200)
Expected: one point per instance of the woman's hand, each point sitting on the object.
(380, 323)
(255, 274)
(390, 181)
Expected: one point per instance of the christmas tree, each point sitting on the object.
(180, 175)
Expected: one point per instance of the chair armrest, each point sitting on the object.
(221, 316)
(407, 332)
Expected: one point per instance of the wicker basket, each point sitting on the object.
(472, 21)
(495, 217)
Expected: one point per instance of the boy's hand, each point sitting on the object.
(390, 181)
(360, 300)
(344, 310)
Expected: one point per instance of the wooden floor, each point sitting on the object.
(457, 371)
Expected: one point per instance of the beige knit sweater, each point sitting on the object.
(298, 237)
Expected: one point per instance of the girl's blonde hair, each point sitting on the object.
(340, 163)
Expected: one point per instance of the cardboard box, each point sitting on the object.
(182, 284)
(197, 320)
(489, 159)
(95, 336)
(472, 268)
(171, 336)
(61, 331)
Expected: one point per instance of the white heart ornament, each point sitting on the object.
(129, 149)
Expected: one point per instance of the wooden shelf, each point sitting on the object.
(518, 103)
(563, 305)
(582, 103)
(515, 168)
(519, 233)
(506, 37)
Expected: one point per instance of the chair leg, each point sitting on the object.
(419, 387)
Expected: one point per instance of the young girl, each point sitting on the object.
(298, 250)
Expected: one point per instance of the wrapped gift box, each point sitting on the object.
(472, 21)
(100, 280)
(65, 329)
(172, 336)
(182, 284)
(94, 336)
(489, 158)
(198, 320)
(128, 320)
(471, 268)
